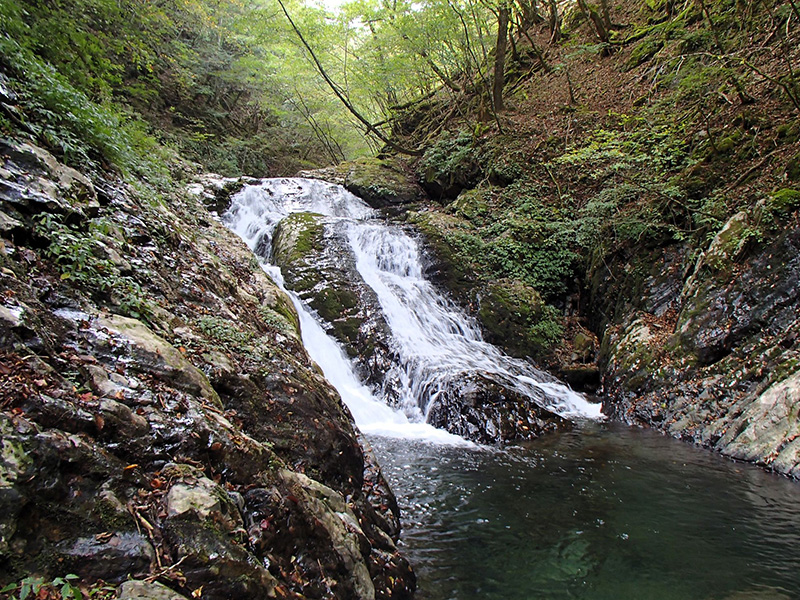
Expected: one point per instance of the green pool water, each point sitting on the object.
(602, 512)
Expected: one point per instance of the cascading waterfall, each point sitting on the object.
(434, 342)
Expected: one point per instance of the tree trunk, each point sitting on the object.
(591, 14)
(555, 23)
(500, 58)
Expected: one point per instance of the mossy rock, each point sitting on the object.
(516, 318)
(333, 303)
(784, 202)
(444, 235)
(382, 182)
(643, 52)
(472, 205)
(297, 236)
(793, 168)
(450, 165)
(728, 144)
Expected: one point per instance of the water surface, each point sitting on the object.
(602, 512)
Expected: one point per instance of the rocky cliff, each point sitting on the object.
(162, 425)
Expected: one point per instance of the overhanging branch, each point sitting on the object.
(341, 96)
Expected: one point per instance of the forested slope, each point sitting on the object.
(630, 217)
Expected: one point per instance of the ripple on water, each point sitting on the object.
(603, 512)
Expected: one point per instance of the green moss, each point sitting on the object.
(348, 329)
(111, 517)
(793, 168)
(379, 181)
(297, 236)
(307, 239)
(472, 205)
(332, 303)
(785, 201)
(643, 52)
(515, 317)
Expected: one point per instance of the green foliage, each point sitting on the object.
(775, 209)
(221, 81)
(452, 161)
(548, 330)
(276, 320)
(82, 259)
(224, 331)
(64, 119)
(60, 588)
(659, 147)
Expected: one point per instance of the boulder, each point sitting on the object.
(768, 431)
(144, 590)
(380, 182)
(318, 264)
(483, 408)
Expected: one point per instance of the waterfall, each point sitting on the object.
(435, 343)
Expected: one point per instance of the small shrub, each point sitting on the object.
(81, 261)
(223, 331)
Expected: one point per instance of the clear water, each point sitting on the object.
(603, 512)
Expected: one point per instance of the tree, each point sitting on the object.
(500, 57)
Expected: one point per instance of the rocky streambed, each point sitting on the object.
(701, 342)
(165, 431)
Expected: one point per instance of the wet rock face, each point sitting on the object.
(159, 418)
(719, 366)
(486, 410)
(317, 262)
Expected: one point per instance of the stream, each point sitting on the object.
(600, 512)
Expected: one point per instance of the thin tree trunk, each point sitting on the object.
(555, 23)
(500, 58)
(341, 96)
(596, 19)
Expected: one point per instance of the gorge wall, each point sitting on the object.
(161, 421)
(698, 341)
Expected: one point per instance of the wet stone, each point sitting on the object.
(111, 558)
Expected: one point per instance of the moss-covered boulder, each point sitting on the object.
(516, 318)
(380, 182)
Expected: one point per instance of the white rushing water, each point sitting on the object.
(435, 342)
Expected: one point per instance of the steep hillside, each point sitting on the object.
(631, 218)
